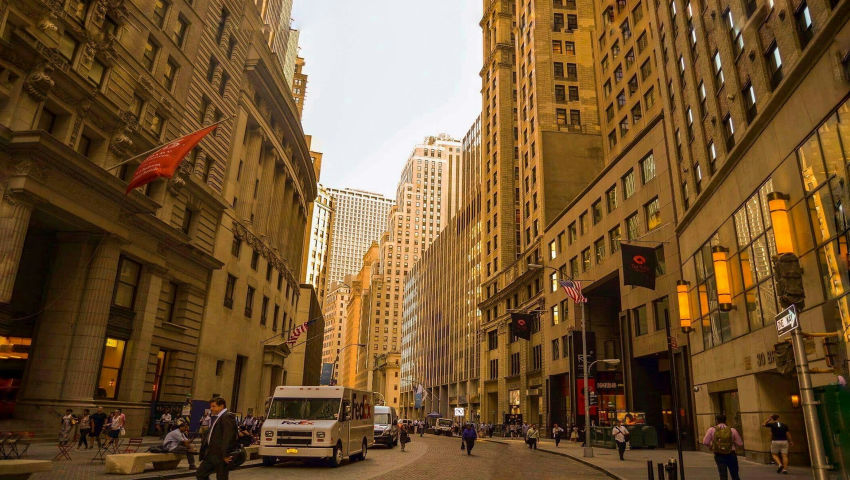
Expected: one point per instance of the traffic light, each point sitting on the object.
(784, 356)
(789, 281)
(831, 347)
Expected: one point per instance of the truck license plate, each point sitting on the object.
(291, 450)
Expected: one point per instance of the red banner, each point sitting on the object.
(591, 382)
(164, 162)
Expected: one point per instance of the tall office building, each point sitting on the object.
(439, 346)
(316, 252)
(290, 57)
(334, 309)
(359, 219)
(299, 85)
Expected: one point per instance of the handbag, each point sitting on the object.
(239, 455)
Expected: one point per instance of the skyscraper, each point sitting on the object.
(359, 219)
(316, 253)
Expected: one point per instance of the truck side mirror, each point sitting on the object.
(348, 412)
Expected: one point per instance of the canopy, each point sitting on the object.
(434, 415)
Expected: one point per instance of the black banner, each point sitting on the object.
(521, 325)
(638, 266)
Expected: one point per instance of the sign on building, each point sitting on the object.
(460, 412)
(787, 321)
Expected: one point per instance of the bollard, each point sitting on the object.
(660, 471)
(672, 471)
(650, 472)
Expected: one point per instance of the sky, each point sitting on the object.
(382, 76)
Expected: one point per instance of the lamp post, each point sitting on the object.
(588, 447)
(336, 361)
(790, 292)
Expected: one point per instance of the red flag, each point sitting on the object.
(164, 162)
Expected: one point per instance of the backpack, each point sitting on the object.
(627, 435)
(723, 443)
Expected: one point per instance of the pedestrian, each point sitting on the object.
(116, 428)
(177, 442)
(98, 419)
(722, 440)
(403, 436)
(524, 430)
(574, 434)
(532, 435)
(557, 433)
(422, 429)
(469, 437)
(164, 424)
(621, 436)
(66, 429)
(85, 428)
(780, 440)
(218, 443)
(205, 423)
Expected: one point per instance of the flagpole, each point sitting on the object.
(164, 144)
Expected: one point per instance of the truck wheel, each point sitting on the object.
(269, 461)
(336, 460)
(362, 455)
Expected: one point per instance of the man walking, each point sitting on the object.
(469, 437)
(780, 440)
(620, 433)
(722, 440)
(218, 443)
(531, 435)
(176, 441)
(97, 421)
(557, 433)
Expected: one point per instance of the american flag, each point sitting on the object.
(573, 290)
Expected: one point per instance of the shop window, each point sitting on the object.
(126, 283)
(110, 369)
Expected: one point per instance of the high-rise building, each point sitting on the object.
(291, 56)
(299, 85)
(359, 219)
(335, 312)
(316, 252)
(439, 345)
(540, 147)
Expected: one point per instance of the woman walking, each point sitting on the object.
(66, 431)
(85, 428)
(403, 436)
(469, 437)
(557, 432)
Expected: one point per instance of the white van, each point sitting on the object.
(325, 422)
(386, 426)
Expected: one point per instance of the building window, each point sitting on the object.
(599, 250)
(734, 33)
(647, 168)
(560, 93)
(149, 56)
(249, 302)
(492, 339)
(110, 369)
(556, 315)
(661, 311)
(188, 214)
(255, 259)
(494, 369)
(553, 250)
(571, 233)
(716, 326)
(585, 260)
(575, 118)
(702, 97)
(640, 320)
(611, 198)
(178, 32)
(160, 9)
(229, 288)
(264, 310)
(712, 157)
(574, 267)
(652, 211)
(805, 28)
(157, 124)
(96, 72)
(236, 246)
(556, 348)
(274, 318)
(719, 80)
(515, 366)
(170, 73)
(774, 64)
(169, 296)
(553, 281)
(537, 357)
(689, 116)
(126, 283)
(596, 211)
(649, 98)
(749, 95)
(67, 47)
(561, 114)
(614, 239)
(729, 131)
(632, 226)
(628, 184)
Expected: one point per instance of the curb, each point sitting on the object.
(571, 457)
(192, 473)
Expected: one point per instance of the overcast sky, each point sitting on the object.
(384, 74)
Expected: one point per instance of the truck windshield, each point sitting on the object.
(305, 408)
(382, 419)
(444, 423)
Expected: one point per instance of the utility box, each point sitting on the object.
(834, 414)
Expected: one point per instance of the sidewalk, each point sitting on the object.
(698, 465)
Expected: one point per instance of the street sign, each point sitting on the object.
(787, 321)
(460, 412)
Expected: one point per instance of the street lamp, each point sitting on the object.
(588, 447)
(685, 318)
(336, 361)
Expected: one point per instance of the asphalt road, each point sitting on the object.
(433, 458)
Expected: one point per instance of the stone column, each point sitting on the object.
(283, 216)
(249, 173)
(137, 356)
(83, 365)
(14, 222)
(277, 196)
(264, 195)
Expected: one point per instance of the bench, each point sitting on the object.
(22, 469)
(129, 463)
(252, 452)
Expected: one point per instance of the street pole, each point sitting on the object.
(588, 448)
(674, 385)
(807, 397)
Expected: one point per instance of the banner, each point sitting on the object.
(419, 397)
(297, 331)
(164, 162)
(521, 325)
(638, 266)
(325, 377)
(577, 351)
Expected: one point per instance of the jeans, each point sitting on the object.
(190, 456)
(727, 462)
(621, 448)
(469, 444)
(532, 443)
(84, 433)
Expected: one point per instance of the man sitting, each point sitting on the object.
(177, 442)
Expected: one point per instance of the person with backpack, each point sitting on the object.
(723, 440)
(780, 440)
(621, 435)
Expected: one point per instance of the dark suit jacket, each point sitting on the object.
(223, 438)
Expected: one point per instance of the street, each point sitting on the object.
(432, 457)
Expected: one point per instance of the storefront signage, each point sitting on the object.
(460, 412)
(786, 321)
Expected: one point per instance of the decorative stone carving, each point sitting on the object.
(47, 24)
(39, 83)
(121, 143)
(147, 85)
(99, 12)
(88, 53)
(30, 168)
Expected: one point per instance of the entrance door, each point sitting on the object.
(727, 404)
(237, 382)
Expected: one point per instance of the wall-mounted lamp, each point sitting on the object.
(721, 274)
(795, 400)
(777, 203)
(685, 318)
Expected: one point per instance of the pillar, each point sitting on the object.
(275, 210)
(138, 354)
(14, 222)
(83, 365)
(265, 195)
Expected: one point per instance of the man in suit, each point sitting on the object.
(216, 444)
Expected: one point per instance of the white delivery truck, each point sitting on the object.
(444, 426)
(323, 422)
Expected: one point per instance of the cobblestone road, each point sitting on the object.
(434, 458)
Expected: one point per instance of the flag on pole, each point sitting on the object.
(297, 331)
(573, 290)
(164, 161)
(639, 265)
(521, 325)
